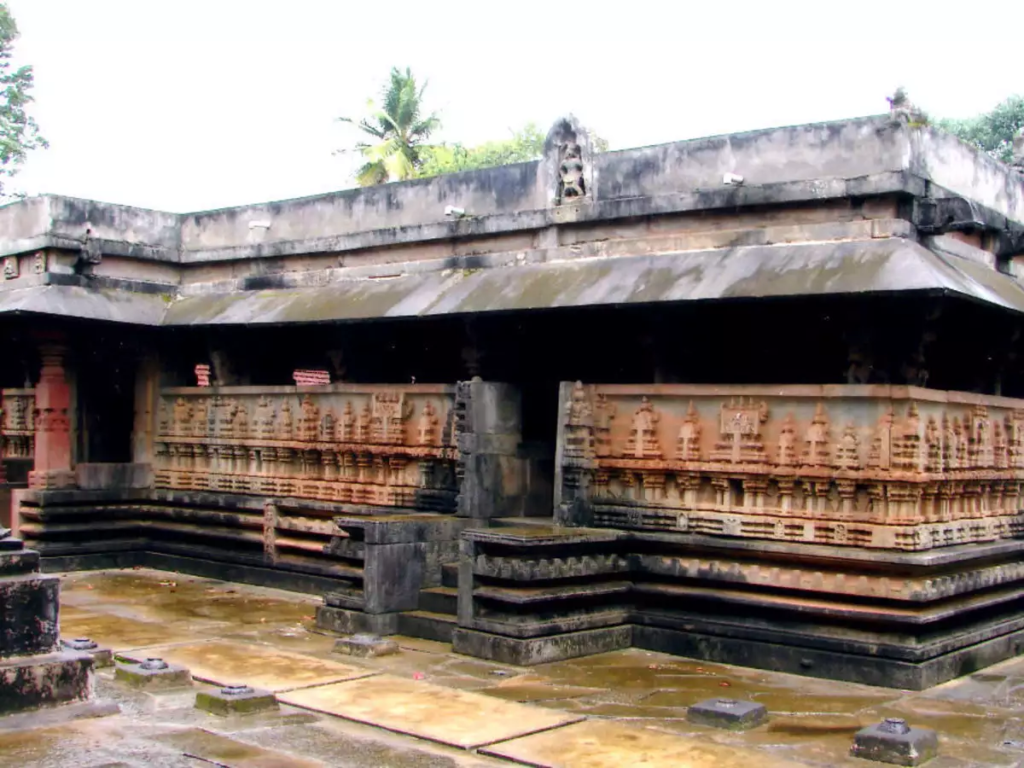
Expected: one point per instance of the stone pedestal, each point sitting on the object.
(35, 671)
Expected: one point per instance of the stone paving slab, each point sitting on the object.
(255, 665)
(603, 744)
(201, 744)
(458, 718)
(119, 633)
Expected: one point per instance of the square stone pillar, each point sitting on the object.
(52, 468)
(493, 473)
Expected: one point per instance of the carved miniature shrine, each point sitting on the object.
(754, 398)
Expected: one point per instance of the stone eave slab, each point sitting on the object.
(106, 304)
(746, 272)
(808, 269)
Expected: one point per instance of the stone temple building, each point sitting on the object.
(755, 398)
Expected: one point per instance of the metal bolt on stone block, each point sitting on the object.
(366, 645)
(893, 741)
(236, 690)
(236, 700)
(101, 657)
(153, 673)
(730, 714)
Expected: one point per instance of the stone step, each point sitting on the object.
(440, 600)
(520, 522)
(427, 626)
(450, 575)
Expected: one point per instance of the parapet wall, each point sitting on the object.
(522, 196)
(881, 467)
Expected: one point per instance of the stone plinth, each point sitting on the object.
(366, 646)
(34, 670)
(153, 674)
(236, 700)
(893, 741)
(730, 714)
(101, 657)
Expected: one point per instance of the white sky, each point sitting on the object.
(184, 105)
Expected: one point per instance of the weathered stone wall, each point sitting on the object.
(851, 466)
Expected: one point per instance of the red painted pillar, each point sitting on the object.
(52, 467)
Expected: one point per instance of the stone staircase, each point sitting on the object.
(436, 615)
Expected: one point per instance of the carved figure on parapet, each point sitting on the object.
(309, 421)
(604, 413)
(906, 448)
(740, 429)
(848, 451)
(816, 444)
(568, 164)
(347, 424)
(579, 424)
(428, 424)
(904, 111)
(787, 443)
(689, 435)
(980, 449)
(389, 412)
(643, 438)
(364, 432)
(571, 182)
(283, 430)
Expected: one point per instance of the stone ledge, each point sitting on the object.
(540, 650)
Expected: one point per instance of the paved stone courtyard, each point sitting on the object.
(428, 707)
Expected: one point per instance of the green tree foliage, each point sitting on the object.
(18, 131)
(524, 145)
(992, 131)
(398, 131)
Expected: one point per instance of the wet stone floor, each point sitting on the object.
(427, 707)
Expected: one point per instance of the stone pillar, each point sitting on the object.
(52, 468)
(492, 471)
(147, 392)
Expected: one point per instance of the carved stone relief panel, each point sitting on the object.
(343, 443)
(881, 467)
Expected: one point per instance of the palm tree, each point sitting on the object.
(398, 130)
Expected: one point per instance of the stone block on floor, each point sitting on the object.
(153, 673)
(893, 741)
(730, 714)
(101, 657)
(236, 700)
(366, 645)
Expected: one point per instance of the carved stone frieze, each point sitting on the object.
(345, 443)
(880, 467)
(17, 423)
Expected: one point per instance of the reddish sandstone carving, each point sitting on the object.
(344, 443)
(888, 467)
(52, 467)
(17, 424)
